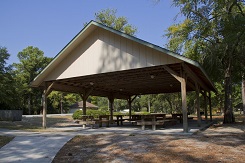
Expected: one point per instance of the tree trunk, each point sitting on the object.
(170, 105)
(243, 95)
(61, 103)
(228, 112)
(149, 106)
(29, 103)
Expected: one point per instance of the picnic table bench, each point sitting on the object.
(179, 117)
(90, 120)
(103, 119)
(119, 119)
(151, 120)
(87, 120)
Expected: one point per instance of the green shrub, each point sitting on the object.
(125, 114)
(144, 109)
(77, 114)
(144, 113)
(97, 113)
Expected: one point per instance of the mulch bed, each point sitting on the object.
(216, 144)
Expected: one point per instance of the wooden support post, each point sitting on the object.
(184, 103)
(84, 105)
(182, 79)
(193, 76)
(205, 106)
(153, 122)
(111, 105)
(47, 90)
(44, 103)
(84, 108)
(143, 122)
(84, 95)
(130, 106)
(210, 106)
(198, 105)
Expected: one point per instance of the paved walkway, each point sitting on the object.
(42, 147)
(31, 149)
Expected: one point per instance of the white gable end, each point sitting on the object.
(103, 51)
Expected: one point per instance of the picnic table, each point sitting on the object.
(103, 119)
(90, 120)
(119, 119)
(178, 117)
(87, 120)
(154, 120)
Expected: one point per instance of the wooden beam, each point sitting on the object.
(84, 95)
(133, 98)
(194, 77)
(49, 89)
(173, 73)
(184, 102)
(182, 78)
(130, 100)
(198, 105)
(66, 88)
(210, 106)
(202, 92)
(44, 104)
(111, 106)
(86, 92)
(205, 106)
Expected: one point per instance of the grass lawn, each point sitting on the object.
(5, 140)
(35, 123)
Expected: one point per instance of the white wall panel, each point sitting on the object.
(103, 51)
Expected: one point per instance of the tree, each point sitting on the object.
(32, 62)
(108, 17)
(212, 32)
(60, 101)
(7, 84)
(243, 95)
(242, 69)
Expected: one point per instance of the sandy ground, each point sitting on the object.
(219, 143)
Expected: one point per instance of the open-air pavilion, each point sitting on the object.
(101, 61)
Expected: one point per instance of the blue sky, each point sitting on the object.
(51, 24)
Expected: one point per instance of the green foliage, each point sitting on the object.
(120, 105)
(144, 113)
(95, 113)
(77, 114)
(32, 62)
(8, 94)
(108, 17)
(214, 34)
(146, 100)
(120, 113)
(61, 102)
(4, 55)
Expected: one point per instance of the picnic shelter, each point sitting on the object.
(101, 61)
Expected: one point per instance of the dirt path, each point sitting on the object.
(217, 144)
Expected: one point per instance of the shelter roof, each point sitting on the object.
(111, 63)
